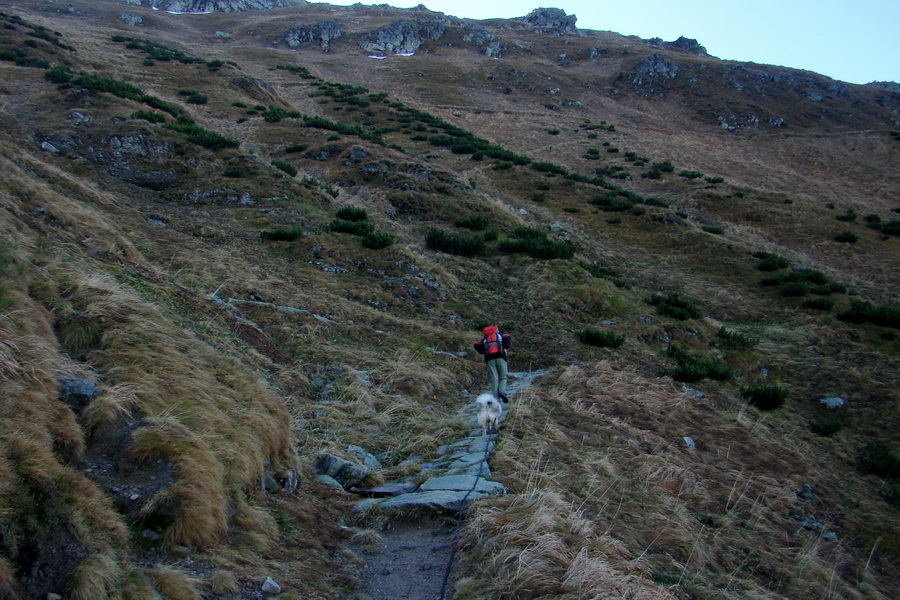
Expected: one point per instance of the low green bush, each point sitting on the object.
(475, 223)
(847, 217)
(354, 227)
(282, 235)
(376, 240)
(846, 237)
(234, 171)
(293, 148)
(200, 136)
(149, 115)
(690, 174)
(352, 213)
(877, 458)
(735, 340)
(821, 303)
(600, 339)
(862, 311)
(765, 396)
(536, 244)
(286, 167)
(714, 230)
(674, 306)
(462, 245)
(690, 368)
(771, 262)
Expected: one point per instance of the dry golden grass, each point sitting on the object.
(714, 520)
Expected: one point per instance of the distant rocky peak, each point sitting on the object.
(885, 85)
(200, 6)
(554, 21)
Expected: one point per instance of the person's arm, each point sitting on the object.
(479, 346)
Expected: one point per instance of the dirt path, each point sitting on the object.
(409, 562)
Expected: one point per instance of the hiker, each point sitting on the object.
(493, 346)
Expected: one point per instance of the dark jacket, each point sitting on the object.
(479, 347)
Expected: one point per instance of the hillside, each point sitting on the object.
(238, 241)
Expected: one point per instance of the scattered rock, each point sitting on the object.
(131, 19)
(403, 36)
(689, 442)
(270, 587)
(832, 402)
(329, 481)
(77, 393)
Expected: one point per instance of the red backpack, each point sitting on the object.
(493, 341)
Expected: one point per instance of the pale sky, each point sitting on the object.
(857, 41)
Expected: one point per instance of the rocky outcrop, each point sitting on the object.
(131, 19)
(885, 85)
(403, 36)
(688, 45)
(199, 6)
(322, 32)
(553, 21)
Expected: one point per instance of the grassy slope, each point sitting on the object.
(616, 505)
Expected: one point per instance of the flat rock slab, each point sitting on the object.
(448, 500)
(387, 489)
(462, 483)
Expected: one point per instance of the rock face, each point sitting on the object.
(554, 21)
(221, 5)
(403, 36)
(322, 32)
(886, 85)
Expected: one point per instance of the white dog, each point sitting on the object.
(489, 411)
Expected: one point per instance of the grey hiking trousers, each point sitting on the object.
(497, 371)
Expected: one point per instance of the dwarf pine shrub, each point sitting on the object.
(536, 244)
(690, 368)
(735, 340)
(193, 96)
(149, 115)
(861, 311)
(714, 230)
(690, 175)
(771, 262)
(376, 240)
(353, 227)
(674, 306)
(461, 245)
(847, 217)
(600, 339)
(821, 303)
(200, 136)
(877, 458)
(846, 237)
(283, 165)
(764, 396)
(282, 234)
(352, 213)
(475, 222)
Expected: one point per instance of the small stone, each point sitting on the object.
(832, 402)
(270, 587)
(52, 596)
(830, 536)
(689, 442)
(134, 496)
(149, 534)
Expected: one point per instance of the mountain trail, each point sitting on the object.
(413, 554)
